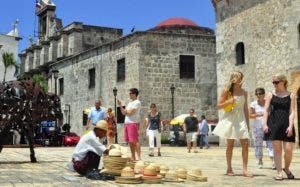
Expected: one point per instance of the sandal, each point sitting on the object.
(278, 177)
(289, 175)
(151, 154)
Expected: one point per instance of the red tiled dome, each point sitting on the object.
(177, 22)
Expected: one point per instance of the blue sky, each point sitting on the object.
(143, 14)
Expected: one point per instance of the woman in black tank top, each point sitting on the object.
(279, 124)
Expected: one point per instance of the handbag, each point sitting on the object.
(229, 107)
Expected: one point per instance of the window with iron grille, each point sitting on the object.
(92, 77)
(61, 86)
(121, 69)
(187, 66)
(240, 53)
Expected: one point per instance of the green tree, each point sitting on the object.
(40, 80)
(8, 60)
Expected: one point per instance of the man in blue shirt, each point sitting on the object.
(96, 114)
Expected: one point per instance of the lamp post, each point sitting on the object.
(55, 74)
(69, 111)
(172, 88)
(115, 91)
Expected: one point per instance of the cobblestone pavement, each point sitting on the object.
(16, 170)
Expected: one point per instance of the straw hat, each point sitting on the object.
(163, 170)
(115, 152)
(196, 175)
(139, 167)
(171, 176)
(102, 124)
(157, 167)
(127, 172)
(181, 173)
(150, 171)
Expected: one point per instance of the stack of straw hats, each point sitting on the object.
(128, 177)
(196, 175)
(115, 161)
(150, 175)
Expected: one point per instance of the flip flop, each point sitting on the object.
(289, 175)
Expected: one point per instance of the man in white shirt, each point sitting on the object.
(131, 124)
(87, 153)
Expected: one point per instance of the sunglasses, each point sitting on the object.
(276, 82)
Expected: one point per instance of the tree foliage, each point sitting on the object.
(8, 60)
(40, 80)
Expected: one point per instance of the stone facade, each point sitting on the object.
(270, 32)
(152, 64)
(8, 44)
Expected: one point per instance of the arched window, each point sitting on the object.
(240, 53)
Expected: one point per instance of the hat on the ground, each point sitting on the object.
(127, 172)
(181, 173)
(171, 176)
(102, 124)
(196, 175)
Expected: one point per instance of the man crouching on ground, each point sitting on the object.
(88, 152)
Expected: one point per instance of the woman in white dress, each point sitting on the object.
(235, 123)
(257, 112)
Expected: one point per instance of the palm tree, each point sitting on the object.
(8, 60)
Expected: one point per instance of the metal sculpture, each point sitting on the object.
(23, 105)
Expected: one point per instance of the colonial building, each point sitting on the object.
(261, 38)
(9, 43)
(92, 60)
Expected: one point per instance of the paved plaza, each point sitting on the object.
(16, 170)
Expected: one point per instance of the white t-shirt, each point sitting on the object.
(89, 142)
(258, 122)
(135, 117)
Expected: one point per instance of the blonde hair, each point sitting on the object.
(282, 78)
(234, 78)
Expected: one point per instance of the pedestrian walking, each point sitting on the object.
(96, 114)
(256, 113)
(235, 122)
(131, 124)
(190, 128)
(278, 118)
(154, 127)
(203, 133)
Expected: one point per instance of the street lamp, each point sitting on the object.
(172, 88)
(69, 111)
(55, 74)
(115, 91)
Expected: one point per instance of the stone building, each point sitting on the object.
(261, 38)
(93, 60)
(9, 43)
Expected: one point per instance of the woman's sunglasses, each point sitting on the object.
(276, 82)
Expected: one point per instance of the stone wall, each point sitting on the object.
(152, 65)
(271, 39)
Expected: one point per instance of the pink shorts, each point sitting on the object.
(131, 134)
